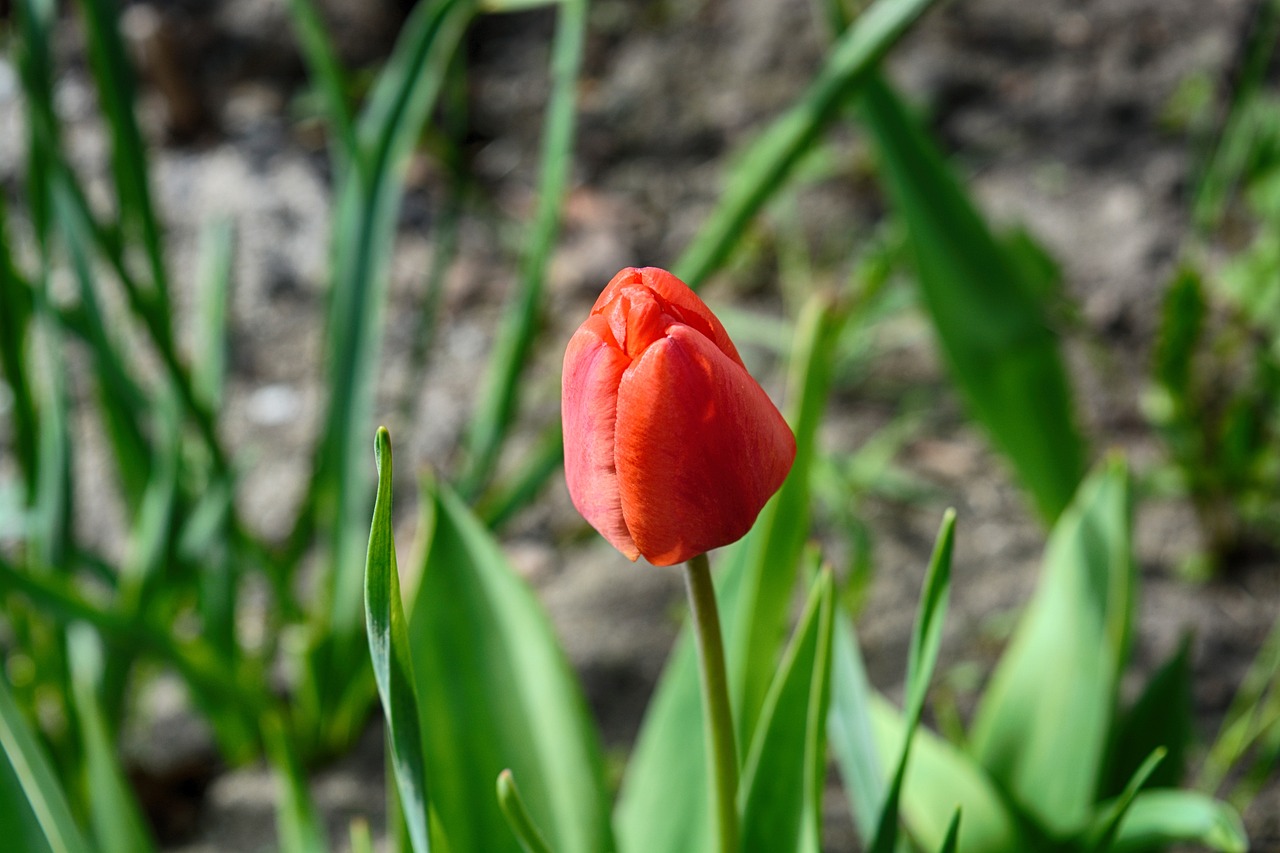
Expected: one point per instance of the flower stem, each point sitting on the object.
(715, 697)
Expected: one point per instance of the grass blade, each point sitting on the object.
(361, 838)
(213, 284)
(1254, 712)
(496, 409)
(52, 531)
(298, 826)
(1221, 172)
(326, 74)
(926, 639)
(389, 648)
(764, 166)
(117, 820)
(115, 87)
(990, 323)
(16, 309)
(27, 762)
(784, 772)
(121, 400)
(364, 230)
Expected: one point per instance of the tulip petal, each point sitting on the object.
(699, 448)
(691, 310)
(593, 368)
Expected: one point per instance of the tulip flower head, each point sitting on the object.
(671, 448)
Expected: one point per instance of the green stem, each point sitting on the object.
(715, 695)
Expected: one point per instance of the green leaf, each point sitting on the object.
(1035, 268)
(52, 533)
(26, 764)
(232, 705)
(1182, 319)
(16, 310)
(17, 820)
(1064, 662)
(1255, 710)
(361, 838)
(772, 549)
(664, 777)
(518, 815)
(1161, 717)
(1228, 157)
(941, 779)
(390, 651)
(496, 408)
(781, 796)
(764, 166)
(851, 732)
(326, 75)
(117, 820)
(364, 228)
(1100, 836)
(1160, 818)
(496, 693)
(755, 581)
(952, 842)
(926, 639)
(665, 802)
(298, 825)
(991, 325)
(121, 401)
(115, 85)
(208, 373)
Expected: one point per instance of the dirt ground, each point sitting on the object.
(1052, 109)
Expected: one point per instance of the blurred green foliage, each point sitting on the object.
(475, 689)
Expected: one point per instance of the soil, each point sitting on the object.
(1054, 111)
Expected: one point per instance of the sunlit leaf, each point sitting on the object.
(25, 763)
(783, 776)
(1041, 728)
(990, 320)
(1160, 818)
(496, 693)
(393, 668)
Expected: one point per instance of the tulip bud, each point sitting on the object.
(670, 447)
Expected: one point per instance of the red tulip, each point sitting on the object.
(670, 447)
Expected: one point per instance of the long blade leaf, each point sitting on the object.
(1064, 661)
(992, 328)
(1160, 818)
(926, 639)
(39, 785)
(392, 663)
(764, 166)
(784, 773)
(498, 400)
(497, 693)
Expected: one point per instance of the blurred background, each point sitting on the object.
(1126, 153)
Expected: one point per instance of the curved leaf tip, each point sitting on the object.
(382, 447)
